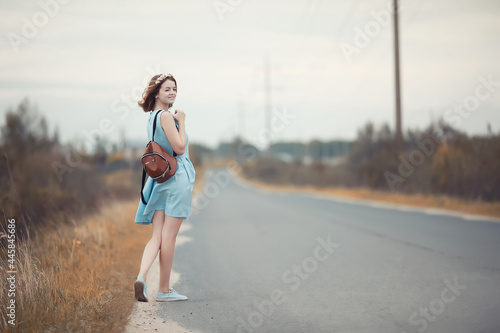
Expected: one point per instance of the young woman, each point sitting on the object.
(168, 203)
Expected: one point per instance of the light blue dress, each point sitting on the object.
(174, 196)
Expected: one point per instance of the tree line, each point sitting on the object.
(438, 160)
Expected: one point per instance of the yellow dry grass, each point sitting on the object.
(79, 276)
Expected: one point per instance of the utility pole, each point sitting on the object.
(268, 96)
(241, 120)
(399, 135)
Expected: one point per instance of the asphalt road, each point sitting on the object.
(281, 262)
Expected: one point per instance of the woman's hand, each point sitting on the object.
(179, 115)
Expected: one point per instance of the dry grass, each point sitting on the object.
(439, 202)
(78, 277)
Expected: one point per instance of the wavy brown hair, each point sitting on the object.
(148, 101)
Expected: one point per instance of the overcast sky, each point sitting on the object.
(85, 64)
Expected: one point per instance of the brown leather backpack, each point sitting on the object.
(157, 162)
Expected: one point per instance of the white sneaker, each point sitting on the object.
(169, 297)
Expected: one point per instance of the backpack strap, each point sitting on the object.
(143, 182)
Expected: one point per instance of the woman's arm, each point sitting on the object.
(177, 139)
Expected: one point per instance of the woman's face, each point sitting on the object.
(167, 92)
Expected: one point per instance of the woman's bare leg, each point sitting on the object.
(154, 244)
(168, 236)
